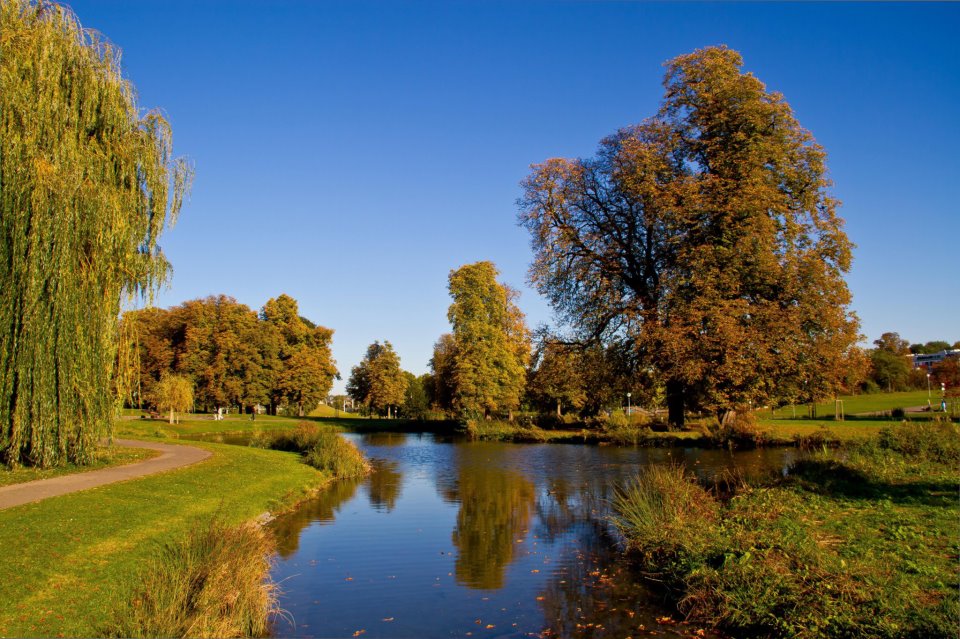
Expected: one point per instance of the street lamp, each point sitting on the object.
(628, 404)
(928, 391)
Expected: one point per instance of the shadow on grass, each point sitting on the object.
(835, 478)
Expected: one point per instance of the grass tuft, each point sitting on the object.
(214, 583)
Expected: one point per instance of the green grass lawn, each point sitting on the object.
(72, 560)
(104, 457)
(853, 404)
(194, 424)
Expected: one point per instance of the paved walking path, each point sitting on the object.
(170, 457)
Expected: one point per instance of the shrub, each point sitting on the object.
(739, 430)
(817, 440)
(322, 447)
(214, 583)
(332, 453)
(937, 440)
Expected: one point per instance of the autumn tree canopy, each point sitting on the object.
(557, 378)
(705, 237)
(490, 343)
(89, 183)
(378, 382)
(233, 355)
(307, 368)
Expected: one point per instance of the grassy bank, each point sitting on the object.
(321, 447)
(855, 543)
(200, 425)
(80, 557)
(103, 457)
(759, 433)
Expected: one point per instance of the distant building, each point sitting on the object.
(928, 360)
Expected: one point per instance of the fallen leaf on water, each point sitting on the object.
(387, 619)
(489, 626)
(358, 633)
(541, 598)
(349, 579)
(534, 570)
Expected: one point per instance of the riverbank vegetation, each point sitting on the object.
(212, 583)
(322, 448)
(855, 543)
(82, 556)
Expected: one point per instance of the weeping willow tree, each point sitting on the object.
(87, 184)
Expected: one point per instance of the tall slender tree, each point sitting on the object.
(88, 185)
(706, 238)
(491, 342)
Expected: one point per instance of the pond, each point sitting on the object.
(450, 538)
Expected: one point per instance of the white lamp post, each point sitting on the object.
(628, 404)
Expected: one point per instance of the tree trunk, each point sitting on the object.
(300, 409)
(675, 402)
(171, 415)
(558, 409)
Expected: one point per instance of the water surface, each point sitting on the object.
(451, 538)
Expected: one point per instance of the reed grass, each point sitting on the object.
(213, 583)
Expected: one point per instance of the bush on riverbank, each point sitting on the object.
(322, 447)
(214, 583)
(853, 543)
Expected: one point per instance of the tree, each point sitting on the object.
(930, 347)
(703, 237)
(416, 402)
(378, 381)
(888, 369)
(305, 365)
(556, 380)
(893, 343)
(490, 340)
(174, 393)
(441, 388)
(89, 185)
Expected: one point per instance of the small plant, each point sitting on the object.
(739, 430)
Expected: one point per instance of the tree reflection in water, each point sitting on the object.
(287, 527)
(496, 505)
(383, 485)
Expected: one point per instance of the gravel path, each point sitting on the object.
(170, 457)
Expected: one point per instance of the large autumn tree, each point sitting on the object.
(306, 367)
(89, 182)
(490, 342)
(704, 237)
(378, 382)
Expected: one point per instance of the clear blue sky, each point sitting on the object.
(350, 154)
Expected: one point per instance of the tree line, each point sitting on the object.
(232, 355)
(891, 367)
